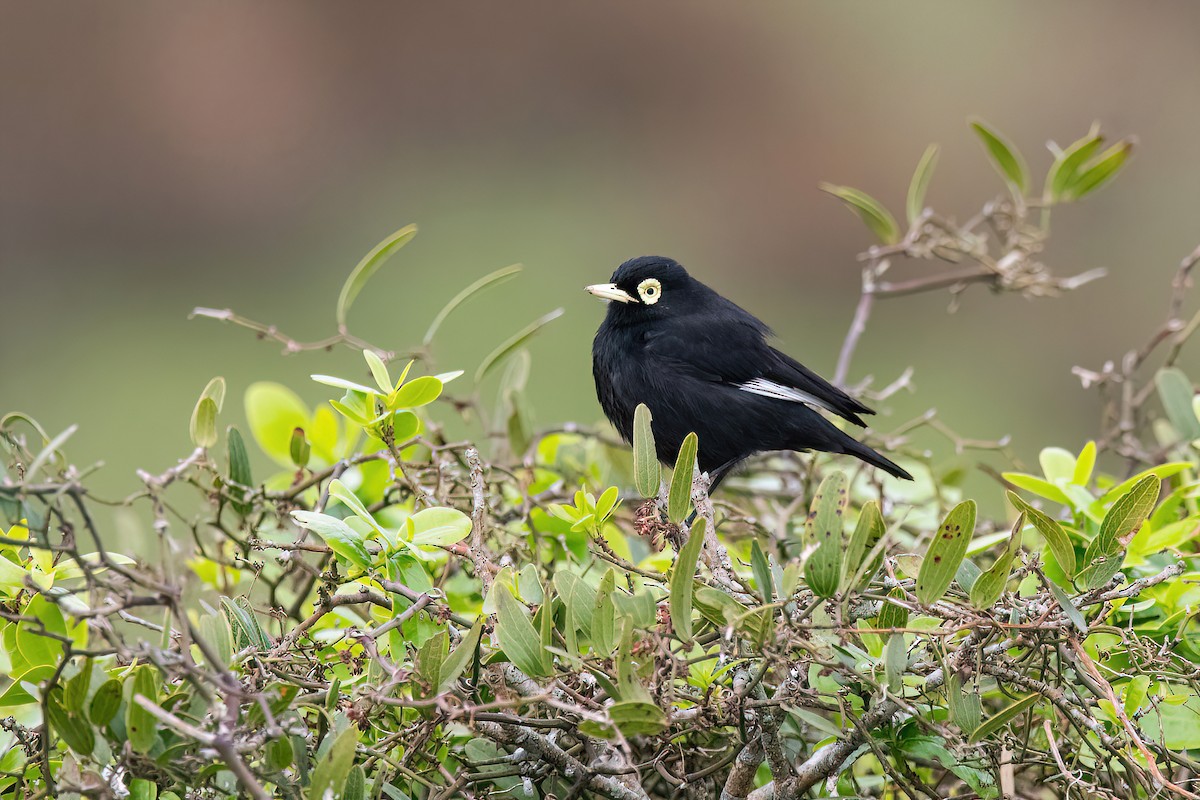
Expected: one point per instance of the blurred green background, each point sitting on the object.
(157, 157)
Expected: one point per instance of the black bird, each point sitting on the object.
(702, 364)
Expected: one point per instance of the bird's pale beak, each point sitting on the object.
(610, 291)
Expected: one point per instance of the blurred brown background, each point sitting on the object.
(155, 157)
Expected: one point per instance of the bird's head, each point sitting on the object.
(646, 288)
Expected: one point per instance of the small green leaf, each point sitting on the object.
(105, 703)
(520, 640)
(341, 538)
(1084, 465)
(366, 268)
(379, 371)
(430, 656)
(204, 423)
(826, 531)
(762, 571)
(330, 774)
(144, 789)
(604, 615)
(1101, 170)
(867, 532)
(1135, 694)
(417, 392)
(460, 658)
(683, 576)
(946, 552)
(140, 724)
(71, 728)
(1002, 718)
(342, 383)
(920, 183)
(1177, 396)
(514, 343)
(239, 471)
(990, 585)
(1065, 169)
(341, 492)
(1051, 531)
(299, 448)
(870, 211)
(646, 476)
(637, 718)
(439, 526)
(76, 690)
(1072, 611)
(893, 615)
(356, 784)
(1005, 157)
(280, 754)
(1042, 488)
(964, 702)
(680, 498)
(491, 279)
(1057, 464)
(895, 662)
(1126, 516)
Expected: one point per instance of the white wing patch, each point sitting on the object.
(778, 391)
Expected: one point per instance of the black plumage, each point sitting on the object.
(703, 364)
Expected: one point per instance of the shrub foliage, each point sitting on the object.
(390, 612)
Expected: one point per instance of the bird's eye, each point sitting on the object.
(650, 290)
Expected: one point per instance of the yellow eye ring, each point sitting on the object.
(650, 290)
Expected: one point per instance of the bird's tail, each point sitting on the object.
(853, 447)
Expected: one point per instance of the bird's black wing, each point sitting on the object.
(732, 350)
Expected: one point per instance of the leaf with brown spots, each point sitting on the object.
(946, 552)
(826, 532)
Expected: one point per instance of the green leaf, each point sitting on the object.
(870, 211)
(520, 640)
(990, 585)
(274, 411)
(140, 725)
(217, 635)
(895, 662)
(460, 658)
(144, 789)
(280, 754)
(679, 500)
(1065, 169)
(946, 552)
(637, 718)
(683, 576)
(203, 426)
(604, 615)
(513, 343)
(920, 183)
(1101, 170)
(826, 530)
(341, 538)
(762, 571)
(379, 371)
(356, 784)
(15, 694)
(1005, 157)
(105, 703)
(893, 615)
(1057, 464)
(1042, 488)
(1177, 395)
(1051, 531)
(964, 702)
(366, 268)
(329, 776)
(1002, 718)
(299, 449)
(1135, 694)
(1106, 552)
(341, 492)
(1084, 465)
(491, 279)
(239, 471)
(71, 728)
(342, 383)
(76, 690)
(1126, 516)
(430, 656)
(867, 532)
(646, 476)
(416, 393)
(439, 526)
